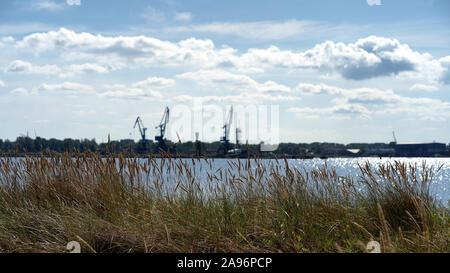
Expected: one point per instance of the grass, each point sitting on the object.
(132, 205)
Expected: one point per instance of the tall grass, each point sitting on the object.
(119, 204)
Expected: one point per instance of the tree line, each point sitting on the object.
(24, 144)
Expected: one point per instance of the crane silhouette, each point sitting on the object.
(162, 130)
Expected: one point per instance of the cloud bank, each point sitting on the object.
(367, 58)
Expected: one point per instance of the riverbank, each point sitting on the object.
(190, 156)
(48, 201)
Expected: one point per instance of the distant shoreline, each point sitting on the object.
(259, 156)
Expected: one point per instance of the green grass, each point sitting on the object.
(45, 202)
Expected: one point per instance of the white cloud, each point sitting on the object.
(311, 89)
(368, 58)
(342, 111)
(65, 88)
(183, 16)
(23, 67)
(79, 69)
(373, 2)
(362, 95)
(375, 100)
(48, 5)
(139, 49)
(155, 82)
(7, 40)
(2, 84)
(242, 98)
(226, 80)
(423, 87)
(262, 30)
(88, 67)
(19, 91)
(132, 93)
(73, 2)
(421, 108)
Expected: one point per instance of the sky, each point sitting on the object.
(340, 71)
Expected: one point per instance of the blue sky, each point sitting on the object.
(340, 71)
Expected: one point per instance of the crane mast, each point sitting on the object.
(162, 130)
(141, 127)
(226, 132)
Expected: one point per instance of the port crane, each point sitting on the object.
(162, 130)
(226, 132)
(141, 127)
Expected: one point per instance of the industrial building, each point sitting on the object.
(419, 149)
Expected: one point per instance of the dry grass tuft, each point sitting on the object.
(120, 204)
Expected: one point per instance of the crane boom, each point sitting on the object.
(141, 127)
(162, 130)
(164, 120)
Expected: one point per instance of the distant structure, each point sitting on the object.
(162, 130)
(419, 149)
(142, 147)
(237, 150)
(225, 140)
(198, 145)
(141, 127)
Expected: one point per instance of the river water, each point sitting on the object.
(348, 167)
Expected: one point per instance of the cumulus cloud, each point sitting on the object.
(140, 49)
(377, 101)
(368, 58)
(2, 84)
(373, 2)
(227, 80)
(23, 67)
